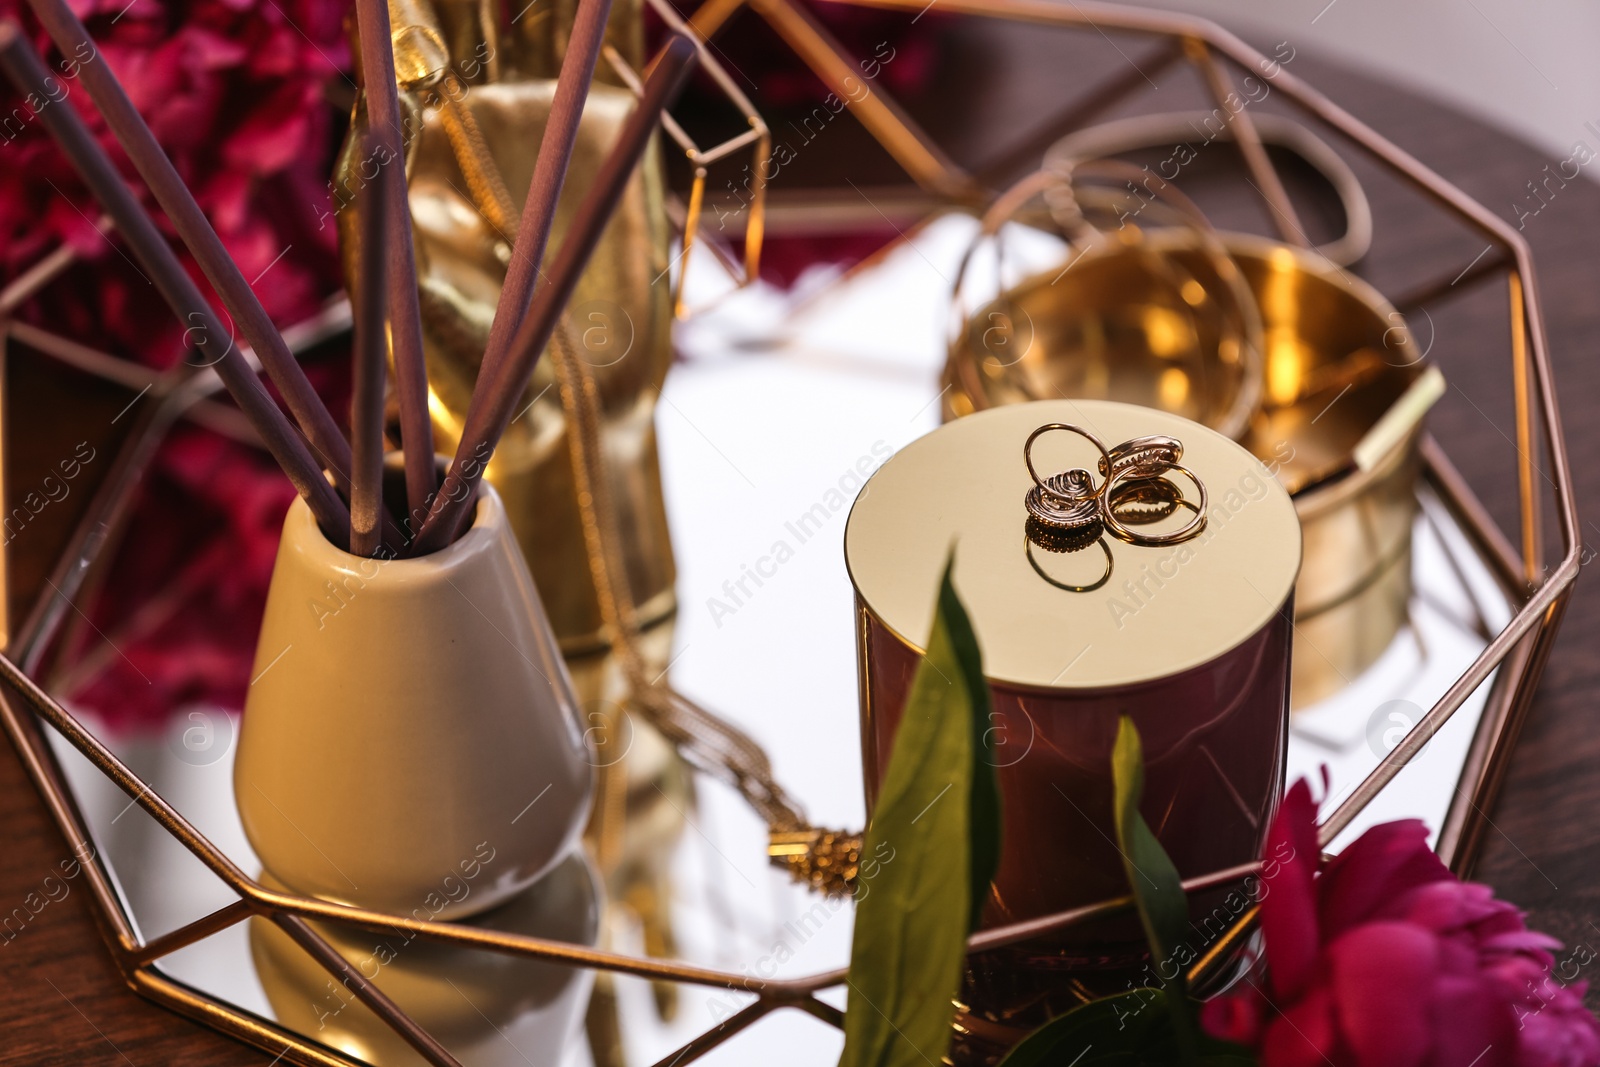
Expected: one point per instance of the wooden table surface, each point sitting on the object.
(62, 1002)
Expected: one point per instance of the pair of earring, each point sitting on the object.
(1069, 507)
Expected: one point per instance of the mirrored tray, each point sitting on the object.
(779, 657)
(780, 406)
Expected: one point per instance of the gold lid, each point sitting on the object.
(1049, 619)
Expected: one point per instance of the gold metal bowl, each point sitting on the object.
(1336, 358)
(1122, 322)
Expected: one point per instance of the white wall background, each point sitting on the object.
(1531, 67)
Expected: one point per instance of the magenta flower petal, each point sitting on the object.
(270, 136)
(1385, 959)
(1559, 1033)
(1471, 1024)
(1382, 974)
(1235, 1018)
(1289, 902)
(1378, 866)
(1305, 1035)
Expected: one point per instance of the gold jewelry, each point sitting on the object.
(1065, 503)
(1032, 539)
(1066, 510)
(1189, 530)
(1027, 451)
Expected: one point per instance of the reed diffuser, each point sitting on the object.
(409, 711)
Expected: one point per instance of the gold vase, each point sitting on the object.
(477, 94)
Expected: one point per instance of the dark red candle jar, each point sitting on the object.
(1191, 638)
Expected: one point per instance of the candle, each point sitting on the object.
(1173, 607)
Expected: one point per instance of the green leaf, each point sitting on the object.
(1132, 1029)
(1157, 886)
(984, 824)
(937, 822)
(1128, 1026)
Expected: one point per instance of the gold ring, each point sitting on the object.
(1190, 530)
(1042, 483)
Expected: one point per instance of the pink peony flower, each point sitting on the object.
(234, 91)
(1382, 958)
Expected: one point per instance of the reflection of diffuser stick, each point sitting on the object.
(498, 394)
(196, 232)
(366, 399)
(400, 273)
(31, 78)
(549, 175)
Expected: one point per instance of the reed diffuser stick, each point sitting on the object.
(196, 232)
(549, 174)
(28, 73)
(399, 271)
(371, 370)
(500, 388)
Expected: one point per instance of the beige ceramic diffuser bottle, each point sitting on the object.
(407, 719)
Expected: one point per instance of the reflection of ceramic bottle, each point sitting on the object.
(405, 715)
(642, 790)
(488, 1008)
(478, 98)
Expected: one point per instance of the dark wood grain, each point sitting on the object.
(62, 1002)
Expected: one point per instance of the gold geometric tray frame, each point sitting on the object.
(1518, 651)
